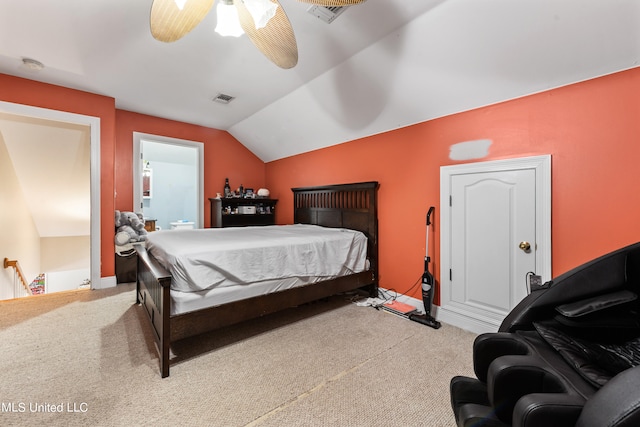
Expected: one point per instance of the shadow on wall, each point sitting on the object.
(359, 91)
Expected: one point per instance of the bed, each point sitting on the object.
(344, 206)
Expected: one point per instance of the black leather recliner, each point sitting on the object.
(567, 355)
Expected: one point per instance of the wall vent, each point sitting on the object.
(326, 13)
(223, 99)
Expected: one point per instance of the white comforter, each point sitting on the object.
(219, 257)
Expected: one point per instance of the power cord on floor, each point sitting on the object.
(384, 296)
(391, 294)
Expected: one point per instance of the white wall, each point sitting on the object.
(19, 238)
(66, 280)
(65, 253)
(175, 182)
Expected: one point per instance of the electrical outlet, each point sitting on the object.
(535, 282)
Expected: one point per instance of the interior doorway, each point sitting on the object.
(60, 225)
(168, 180)
(495, 231)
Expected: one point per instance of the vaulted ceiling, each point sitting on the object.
(380, 65)
(51, 162)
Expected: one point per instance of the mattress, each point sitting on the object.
(184, 302)
(217, 258)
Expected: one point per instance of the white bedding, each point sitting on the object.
(183, 302)
(211, 258)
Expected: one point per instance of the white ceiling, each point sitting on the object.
(381, 65)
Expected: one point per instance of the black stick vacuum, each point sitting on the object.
(427, 286)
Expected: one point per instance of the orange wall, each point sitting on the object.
(590, 129)
(224, 156)
(28, 92)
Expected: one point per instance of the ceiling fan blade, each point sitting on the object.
(276, 41)
(335, 3)
(170, 23)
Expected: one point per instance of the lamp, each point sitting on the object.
(228, 22)
(180, 3)
(261, 11)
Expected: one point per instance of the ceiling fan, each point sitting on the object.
(264, 21)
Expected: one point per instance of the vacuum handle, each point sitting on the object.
(431, 209)
(426, 249)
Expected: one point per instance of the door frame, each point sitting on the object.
(97, 281)
(542, 165)
(138, 137)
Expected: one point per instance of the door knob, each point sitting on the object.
(525, 246)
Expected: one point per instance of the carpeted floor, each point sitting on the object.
(88, 358)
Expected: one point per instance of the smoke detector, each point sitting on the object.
(32, 64)
(326, 13)
(223, 99)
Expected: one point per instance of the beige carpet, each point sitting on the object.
(91, 355)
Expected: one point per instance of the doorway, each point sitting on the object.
(168, 180)
(41, 248)
(496, 230)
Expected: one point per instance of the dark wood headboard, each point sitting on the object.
(352, 206)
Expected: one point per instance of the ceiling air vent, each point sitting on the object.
(223, 99)
(326, 13)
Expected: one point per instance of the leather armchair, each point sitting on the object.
(564, 356)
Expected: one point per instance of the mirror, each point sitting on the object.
(146, 183)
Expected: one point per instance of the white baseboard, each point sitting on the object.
(106, 282)
(467, 323)
(409, 300)
(449, 317)
(417, 303)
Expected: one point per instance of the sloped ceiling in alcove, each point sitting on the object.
(51, 160)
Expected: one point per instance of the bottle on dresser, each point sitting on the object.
(227, 188)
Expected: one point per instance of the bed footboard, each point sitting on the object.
(152, 292)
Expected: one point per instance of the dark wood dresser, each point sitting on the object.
(240, 212)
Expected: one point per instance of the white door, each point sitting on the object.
(176, 177)
(493, 229)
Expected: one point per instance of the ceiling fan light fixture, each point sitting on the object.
(228, 22)
(170, 20)
(261, 11)
(180, 3)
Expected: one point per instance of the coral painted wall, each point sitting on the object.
(224, 156)
(27, 92)
(589, 128)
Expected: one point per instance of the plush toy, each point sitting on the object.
(134, 221)
(118, 221)
(129, 228)
(122, 238)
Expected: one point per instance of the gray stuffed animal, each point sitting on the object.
(129, 228)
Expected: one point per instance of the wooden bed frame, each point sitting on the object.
(352, 206)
